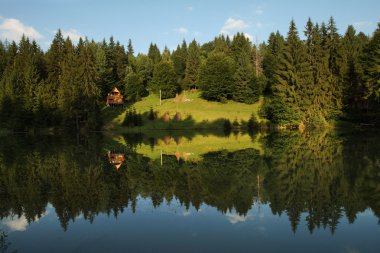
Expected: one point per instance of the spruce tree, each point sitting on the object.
(179, 57)
(216, 77)
(371, 65)
(353, 90)
(243, 88)
(271, 60)
(290, 94)
(164, 79)
(193, 63)
(154, 53)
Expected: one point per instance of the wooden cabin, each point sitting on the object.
(115, 97)
(115, 159)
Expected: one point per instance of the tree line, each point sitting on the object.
(312, 81)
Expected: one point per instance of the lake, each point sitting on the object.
(191, 192)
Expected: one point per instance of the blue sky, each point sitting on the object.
(168, 22)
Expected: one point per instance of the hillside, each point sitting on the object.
(195, 112)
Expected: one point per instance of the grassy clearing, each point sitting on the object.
(196, 113)
(194, 147)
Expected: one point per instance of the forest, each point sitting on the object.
(315, 79)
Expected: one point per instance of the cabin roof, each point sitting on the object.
(115, 90)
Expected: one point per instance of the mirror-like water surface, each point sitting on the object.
(186, 192)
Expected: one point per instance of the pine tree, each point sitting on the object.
(332, 45)
(216, 77)
(290, 94)
(352, 70)
(179, 57)
(104, 71)
(271, 60)
(243, 89)
(317, 57)
(144, 68)
(122, 59)
(134, 88)
(130, 50)
(164, 79)
(154, 53)
(193, 63)
(371, 65)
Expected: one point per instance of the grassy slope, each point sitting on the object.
(196, 146)
(196, 112)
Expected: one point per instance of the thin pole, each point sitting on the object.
(161, 157)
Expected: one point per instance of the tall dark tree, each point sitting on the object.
(244, 89)
(154, 53)
(271, 60)
(164, 79)
(371, 63)
(216, 77)
(354, 91)
(179, 57)
(290, 94)
(193, 63)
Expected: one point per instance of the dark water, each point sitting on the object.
(183, 192)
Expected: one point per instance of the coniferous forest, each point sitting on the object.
(314, 75)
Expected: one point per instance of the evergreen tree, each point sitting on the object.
(216, 77)
(290, 94)
(154, 53)
(353, 77)
(193, 63)
(244, 89)
(179, 57)
(144, 68)
(164, 79)
(130, 50)
(121, 59)
(104, 71)
(134, 88)
(371, 64)
(332, 44)
(271, 60)
(318, 111)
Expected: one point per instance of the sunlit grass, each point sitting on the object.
(194, 111)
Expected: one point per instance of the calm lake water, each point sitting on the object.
(191, 192)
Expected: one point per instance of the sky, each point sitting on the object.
(168, 22)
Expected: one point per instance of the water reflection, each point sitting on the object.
(317, 179)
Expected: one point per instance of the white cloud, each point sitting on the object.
(13, 29)
(236, 218)
(20, 223)
(196, 33)
(248, 36)
(361, 24)
(73, 34)
(17, 224)
(233, 25)
(190, 8)
(259, 10)
(181, 30)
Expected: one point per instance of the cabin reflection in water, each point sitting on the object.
(116, 159)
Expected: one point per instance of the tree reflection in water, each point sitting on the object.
(322, 174)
